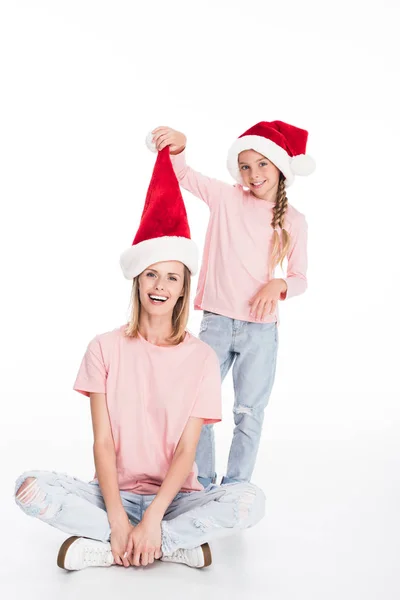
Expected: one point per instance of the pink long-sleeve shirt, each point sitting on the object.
(238, 245)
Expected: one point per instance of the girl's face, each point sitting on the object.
(160, 287)
(259, 174)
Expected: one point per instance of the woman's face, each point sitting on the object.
(160, 287)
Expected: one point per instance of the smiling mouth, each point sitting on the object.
(157, 299)
(258, 184)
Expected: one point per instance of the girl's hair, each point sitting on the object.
(280, 247)
(180, 314)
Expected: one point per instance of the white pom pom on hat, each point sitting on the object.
(302, 164)
(149, 142)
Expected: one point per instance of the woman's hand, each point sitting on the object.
(265, 301)
(144, 545)
(120, 533)
(165, 136)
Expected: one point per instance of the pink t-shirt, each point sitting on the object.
(238, 245)
(151, 392)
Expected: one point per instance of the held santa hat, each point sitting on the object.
(163, 232)
(282, 144)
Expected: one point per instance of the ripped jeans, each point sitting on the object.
(252, 350)
(192, 519)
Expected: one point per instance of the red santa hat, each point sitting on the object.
(163, 232)
(281, 143)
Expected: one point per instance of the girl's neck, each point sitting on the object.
(270, 197)
(155, 330)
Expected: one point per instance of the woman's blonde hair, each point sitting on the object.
(180, 314)
(280, 247)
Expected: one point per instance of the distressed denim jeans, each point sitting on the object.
(193, 518)
(252, 350)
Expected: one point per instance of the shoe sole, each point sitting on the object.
(63, 551)
(207, 555)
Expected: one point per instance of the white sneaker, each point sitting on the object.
(78, 553)
(197, 557)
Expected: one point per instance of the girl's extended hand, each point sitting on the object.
(165, 136)
(120, 533)
(144, 545)
(265, 301)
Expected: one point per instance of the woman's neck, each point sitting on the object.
(155, 330)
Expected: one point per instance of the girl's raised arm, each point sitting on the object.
(206, 188)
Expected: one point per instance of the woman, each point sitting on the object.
(152, 386)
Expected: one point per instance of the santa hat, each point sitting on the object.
(163, 232)
(282, 144)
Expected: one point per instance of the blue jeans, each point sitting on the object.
(193, 518)
(252, 350)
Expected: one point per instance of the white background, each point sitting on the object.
(82, 83)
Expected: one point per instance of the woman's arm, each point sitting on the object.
(106, 471)
(104, 458)
(144, 544)
(181, 466)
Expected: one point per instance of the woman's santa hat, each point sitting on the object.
(163, 232)
(281, 143)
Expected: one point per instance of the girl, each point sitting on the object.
(152, 386)
(252, 229)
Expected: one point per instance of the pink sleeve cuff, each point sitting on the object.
(296, 285)
(179, 164)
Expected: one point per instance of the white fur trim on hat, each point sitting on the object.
(140, 256)
(299, 165)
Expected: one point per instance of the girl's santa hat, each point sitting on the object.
(163, 232)
(282, 144)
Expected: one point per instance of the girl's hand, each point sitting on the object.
(120, 533)
(165, 136)
(265, 301)
(144, 545)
